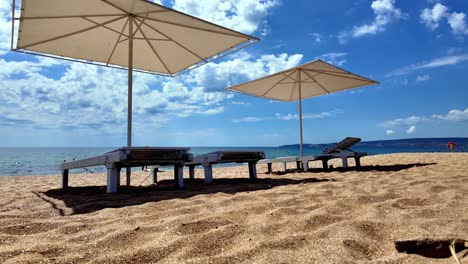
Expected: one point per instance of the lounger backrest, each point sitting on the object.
(345, 144)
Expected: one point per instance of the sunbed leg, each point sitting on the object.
(269, 167)
(305, 166)
(285, 167)
(179, 175)
(192, 172)
(118, 181)
(64, 179)
(155, 174)
(208, 172)
(345, 163)
(113, 175)
(358, 161)
(252, 170)
(129, 173)
(325, 164)
(298, 165)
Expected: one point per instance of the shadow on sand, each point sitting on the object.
(393, 168)
(93, 198)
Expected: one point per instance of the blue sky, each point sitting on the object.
(417, 50)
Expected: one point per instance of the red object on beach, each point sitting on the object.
(451, 145)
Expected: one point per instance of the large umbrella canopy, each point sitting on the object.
(308, 80)
(164, 41)
(132, 34)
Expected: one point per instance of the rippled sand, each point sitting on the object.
(321, 217)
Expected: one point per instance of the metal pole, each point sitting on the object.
(130, 89)
(300, 110)
(12, 23)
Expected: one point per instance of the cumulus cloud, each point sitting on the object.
(423, 78)
(432, 18)
(246, 16)
(95, 98)
(218, 76)
(5, 26)
(411, 130)
(434, 63)
(50, 93)
(453, 115)
(385, 12)
(457, 23)
(389, 132)
(335, 58)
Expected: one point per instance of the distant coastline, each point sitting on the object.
(462, 143)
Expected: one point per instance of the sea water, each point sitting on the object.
(43, 161)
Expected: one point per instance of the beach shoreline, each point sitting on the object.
(302, 217)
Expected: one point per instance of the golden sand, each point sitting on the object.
(313, 217)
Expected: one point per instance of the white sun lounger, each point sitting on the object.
(339, 150)
(225, 156)
(128, 157)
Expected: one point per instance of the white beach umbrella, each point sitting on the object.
(308, 80)
(133, 34)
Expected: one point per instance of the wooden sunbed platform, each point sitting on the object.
(225, 156)
(128, 157)
(283, 160)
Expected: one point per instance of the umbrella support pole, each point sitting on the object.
(300, 111)
(130, 90)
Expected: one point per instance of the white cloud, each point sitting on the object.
(453, 115)
(385, 12)
(389, 132)
(458, 24)
(411, 130)
(335, 58)
(403, 121)
(434, 63)
(81, 96)
(246, 16)
(317, 37)
(218, 76)
(423, 78)
(287, 117)
(5, 26)
(304, 116)
(432, 17)
(249, 119)
(239, 103)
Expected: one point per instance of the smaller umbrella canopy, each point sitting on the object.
(308, 80)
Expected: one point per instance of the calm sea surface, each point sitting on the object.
(42, 161)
